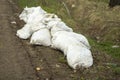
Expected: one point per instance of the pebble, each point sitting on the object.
(13, 22)
(38, 68)
(57, 65)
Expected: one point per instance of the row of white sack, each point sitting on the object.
(48, 30)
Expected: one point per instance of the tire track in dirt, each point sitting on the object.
(31, 52)
(14, 63)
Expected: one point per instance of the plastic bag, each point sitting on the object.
(25, 32)
(53, 21)
(78, 37)
(58, 28)
(29, 29)
(30, 14)
(62, 41)
(79, 57)
(41, 37)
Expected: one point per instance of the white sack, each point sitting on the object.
(25, 32)
(41, 37)
(62, 41)
(79, 56)
(70, 37)
(52, 21)
(60, 26)
(82, 39)
(37, 26)
(32, 14)
(29, 29)
(49, 17)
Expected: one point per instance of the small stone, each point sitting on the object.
(41, 60)
(38, 78)
(57, 65)
(108, 67)
(98, 41)
(97, 37)
(73, 5)
(13, 22)
(47, 79)
(38, 68)
(75, 71)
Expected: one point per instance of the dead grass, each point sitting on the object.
(93, 15)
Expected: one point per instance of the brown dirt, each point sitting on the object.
(14, 60)
(19, 59)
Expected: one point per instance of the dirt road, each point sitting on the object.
(14, 61)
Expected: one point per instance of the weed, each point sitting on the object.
(62, 59)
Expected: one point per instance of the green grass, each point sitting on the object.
(51, 6)
(105, 47)
(62, 59)
(28, 3)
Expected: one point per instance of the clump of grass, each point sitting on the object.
(29, 3)
(62, 59)
(116, 70)
(105, 47)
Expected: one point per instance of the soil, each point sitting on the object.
(21, 61)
